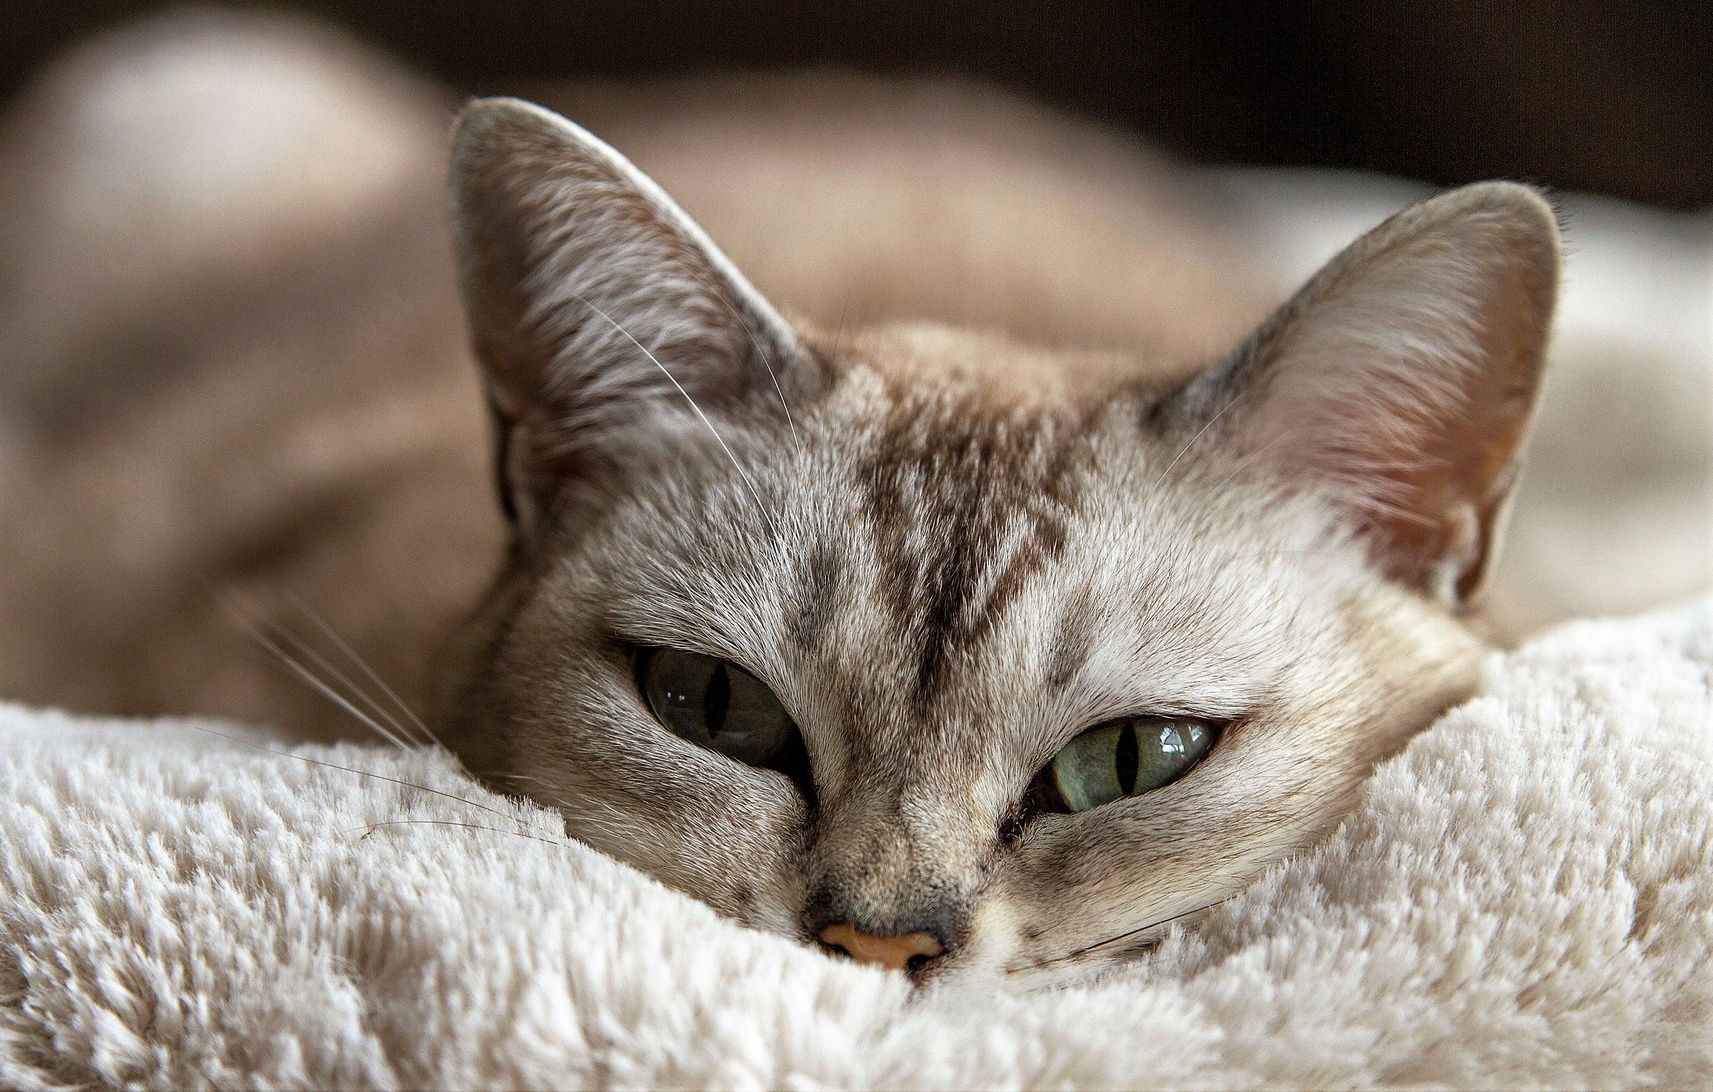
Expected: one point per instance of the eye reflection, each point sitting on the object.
(1127, 758)
(717, 705)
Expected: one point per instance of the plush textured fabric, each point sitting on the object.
(1524, 898)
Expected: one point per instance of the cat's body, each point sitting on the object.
(942, 561)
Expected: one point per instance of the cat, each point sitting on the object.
(962, 653)
(232, 355)
(957, 655)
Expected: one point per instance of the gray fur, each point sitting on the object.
(955, 554)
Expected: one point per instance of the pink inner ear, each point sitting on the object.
(602, 315)
(1402, 379)
(555, 235)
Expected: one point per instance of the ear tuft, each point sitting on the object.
(600, 312)
(1401, 379)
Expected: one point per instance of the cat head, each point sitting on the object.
(954, 654)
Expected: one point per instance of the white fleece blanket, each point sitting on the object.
(1525, 898)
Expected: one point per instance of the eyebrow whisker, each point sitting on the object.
(753, 492)
(767, 363)
(1211, 421)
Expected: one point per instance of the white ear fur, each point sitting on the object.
(1401, 378)
(596, 305)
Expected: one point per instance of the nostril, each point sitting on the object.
(906, 951)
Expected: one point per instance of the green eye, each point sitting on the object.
(1127, 758)
(716, 705)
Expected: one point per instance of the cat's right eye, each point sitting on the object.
(720, 706)
(1122, 758)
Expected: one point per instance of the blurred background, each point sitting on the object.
(231, 352)
(1587, 95)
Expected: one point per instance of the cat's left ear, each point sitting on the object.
(1400, 380)
(605, 320)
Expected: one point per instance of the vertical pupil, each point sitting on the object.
(1126, 758)
(715, 701)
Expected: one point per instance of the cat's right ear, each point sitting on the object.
(602, 315)
(1399, 382)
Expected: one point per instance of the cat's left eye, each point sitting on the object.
(1122, 758)
(718, 705)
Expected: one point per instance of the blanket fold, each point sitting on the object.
(1524, 898)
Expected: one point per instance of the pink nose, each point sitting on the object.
(889, 952)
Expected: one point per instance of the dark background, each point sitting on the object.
(1598, 95)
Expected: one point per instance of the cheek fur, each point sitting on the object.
(1123, 618)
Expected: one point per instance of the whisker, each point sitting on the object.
(766, 363)
(753, 492)
(1243, 463)
(583, 810)
(351, 654)
(397, 730)
(839, 330)
(1198, 436)
(350, 770)
(257, 627)
(391, 730)
(327, 691)
(377, 825)
(623, 829)
(1120, 938)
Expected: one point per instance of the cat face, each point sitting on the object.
(952, 654)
